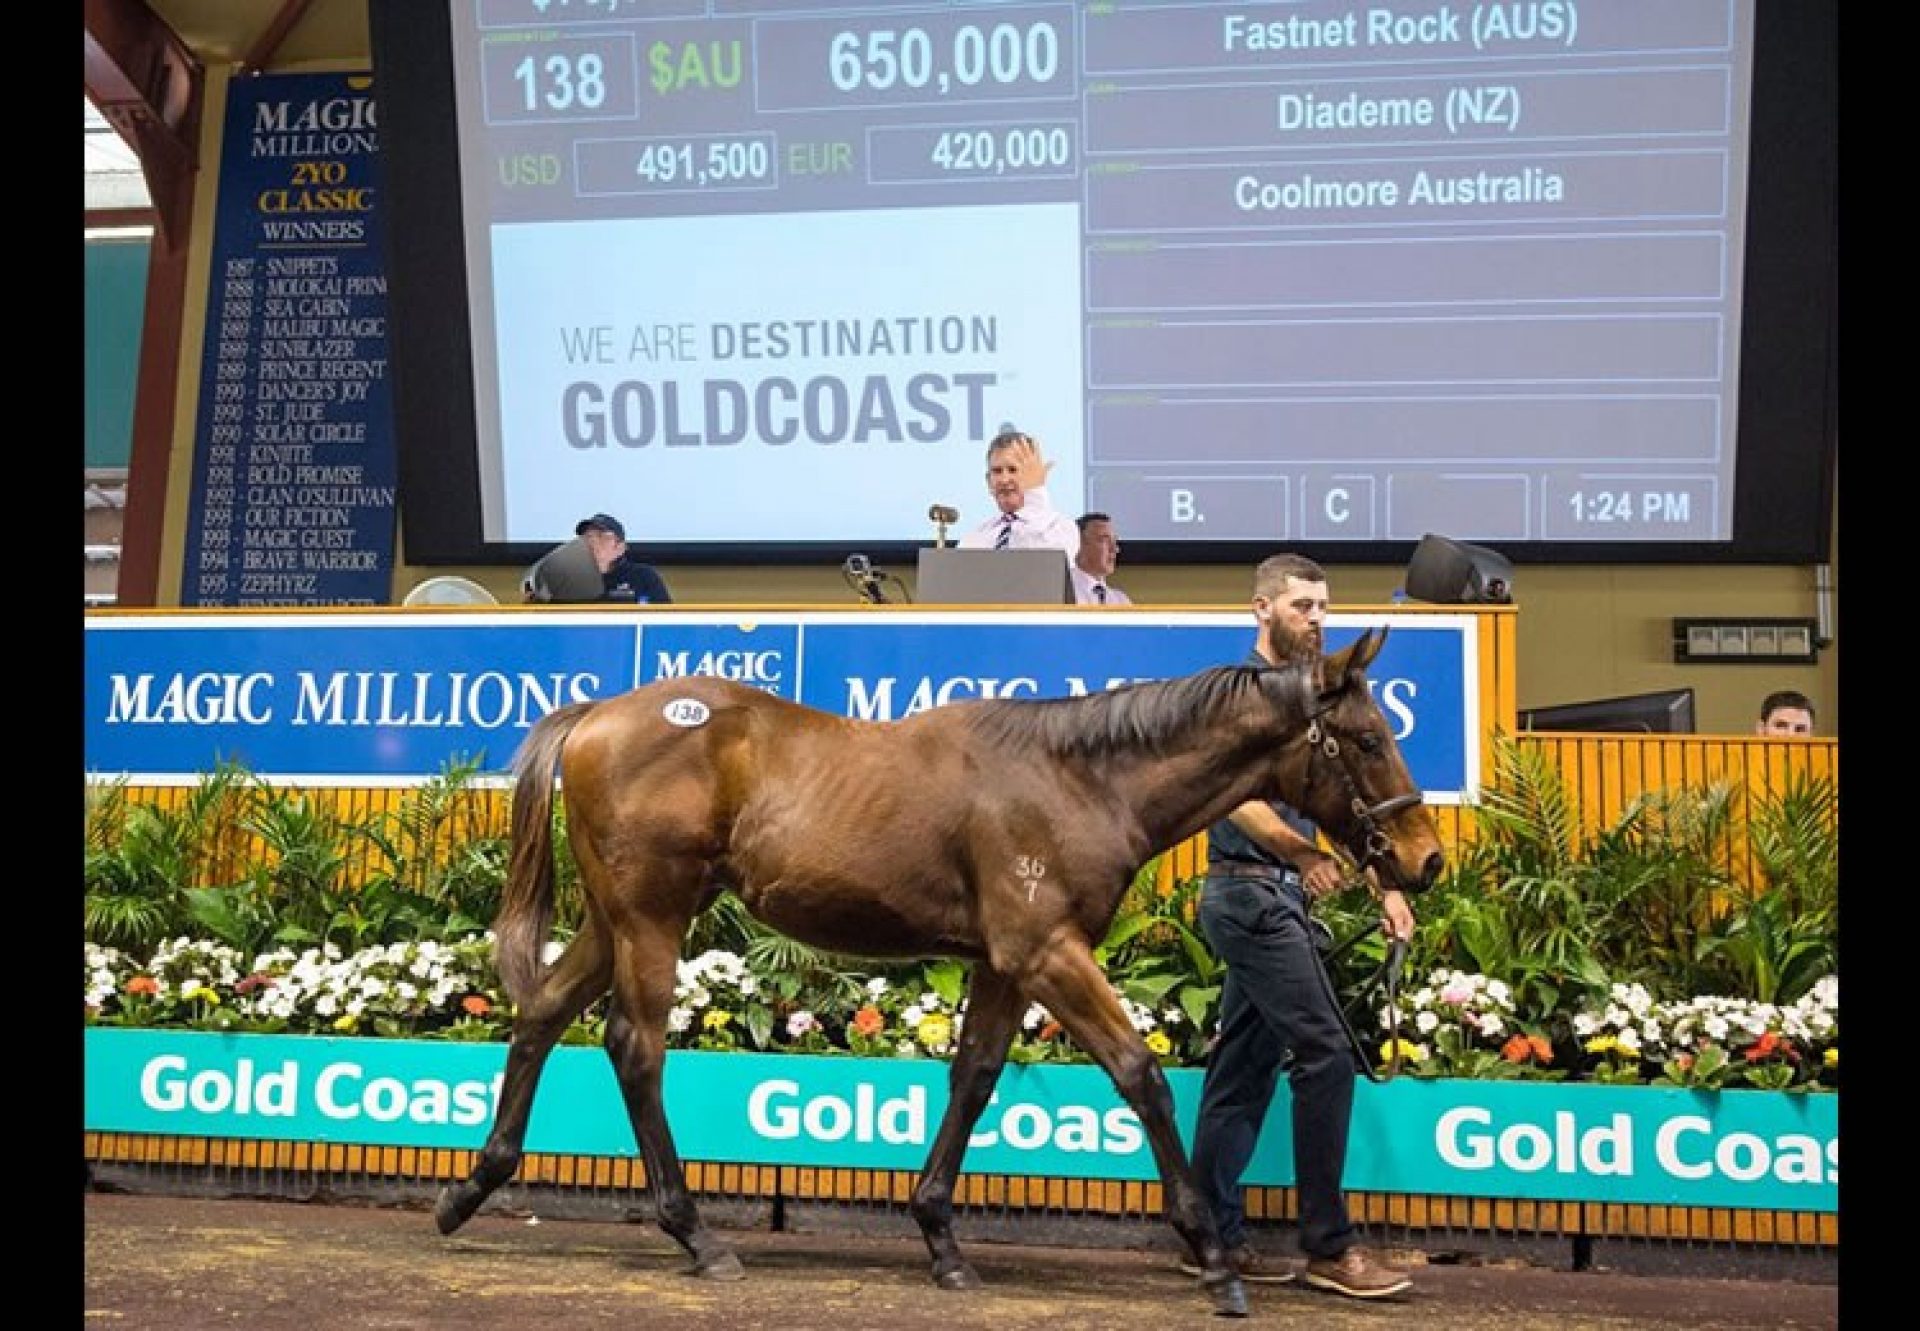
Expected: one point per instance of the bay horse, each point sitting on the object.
(1000, 832)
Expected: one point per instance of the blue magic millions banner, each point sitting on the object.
(389, 697)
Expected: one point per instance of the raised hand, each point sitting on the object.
(1034, 468)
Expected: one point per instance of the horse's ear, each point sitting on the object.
(1368, 646)
(1355, 657)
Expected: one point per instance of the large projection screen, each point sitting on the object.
(765, 277)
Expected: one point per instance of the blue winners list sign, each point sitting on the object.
(294, 466)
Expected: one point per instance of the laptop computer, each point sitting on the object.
(952, 576)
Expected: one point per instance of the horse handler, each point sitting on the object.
(1263, 867)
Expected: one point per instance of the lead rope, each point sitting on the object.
(1385, 980)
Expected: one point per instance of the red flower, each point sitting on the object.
(475, 1005)
(257, 980)
(1526, 1049)
(1050, 1030)
(143, 984)
(1768, 1045)
(868, 1021)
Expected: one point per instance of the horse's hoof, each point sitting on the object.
(962, 1276)
(448, 1214)
(721, 1265)
(1228, 1294)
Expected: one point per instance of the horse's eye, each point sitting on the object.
(1369, 742)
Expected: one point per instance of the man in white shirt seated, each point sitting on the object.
(1099, 552)
(1027, 519)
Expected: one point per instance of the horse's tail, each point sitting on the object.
(525, 918)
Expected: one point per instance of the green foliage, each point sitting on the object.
(1710, 1070)
(1786, 934)
(1517, 904)
(1555, 917)
(436, 863)
(1649, 899)
(143, 860)
(1155, 955)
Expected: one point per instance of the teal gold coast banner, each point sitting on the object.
(1522, 1140)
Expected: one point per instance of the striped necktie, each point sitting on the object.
(1001, 541)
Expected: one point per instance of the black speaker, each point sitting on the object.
(1449, 572)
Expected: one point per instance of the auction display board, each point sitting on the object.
(1326, 271)
(294, 474)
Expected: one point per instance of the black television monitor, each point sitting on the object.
(1661, 712)
(1260, 274)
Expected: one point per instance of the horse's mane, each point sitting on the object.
(1128, 719)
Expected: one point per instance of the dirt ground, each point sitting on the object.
(195, 1264)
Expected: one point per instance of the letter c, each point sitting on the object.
(1666, 1142)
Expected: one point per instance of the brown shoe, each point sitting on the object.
(1249, 1265)
(1358, 1274)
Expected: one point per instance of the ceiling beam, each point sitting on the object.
(267, 44)
(150, 88)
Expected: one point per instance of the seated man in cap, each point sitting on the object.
(623, 579)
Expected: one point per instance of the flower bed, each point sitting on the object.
(1634, 954)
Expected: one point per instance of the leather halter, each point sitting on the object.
(1376, 845)
(1377, 848)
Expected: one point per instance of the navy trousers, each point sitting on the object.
(1276, 1002)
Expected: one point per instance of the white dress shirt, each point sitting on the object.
(1084, 593)
(1038, 525)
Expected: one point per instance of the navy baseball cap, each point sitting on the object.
(600, 522)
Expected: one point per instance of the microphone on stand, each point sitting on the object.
(940, 515)
(865, 579)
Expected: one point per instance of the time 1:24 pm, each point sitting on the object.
(1655, 506)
